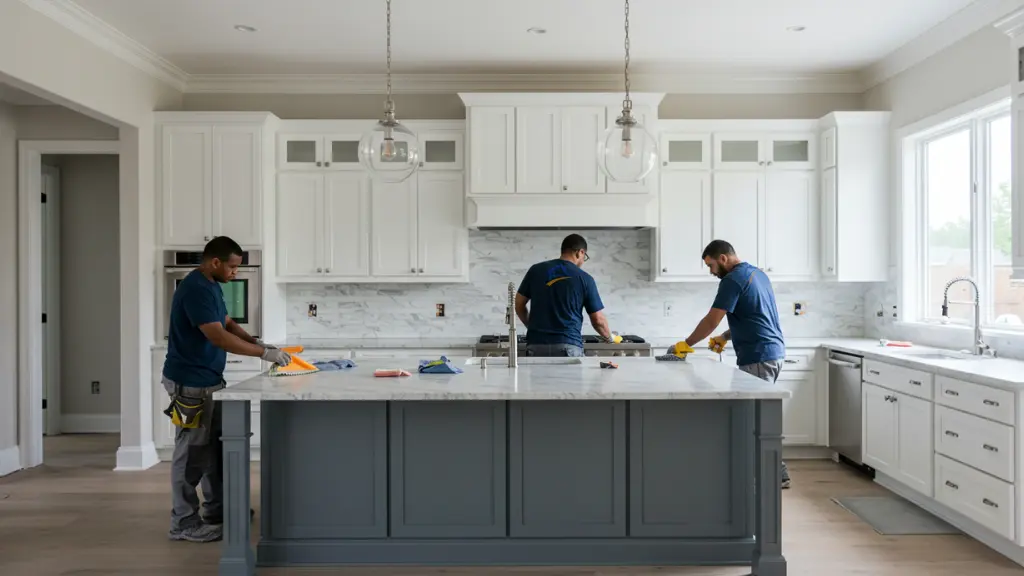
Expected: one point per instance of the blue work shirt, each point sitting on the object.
(192, 360)
(747, 297)
(558, 292)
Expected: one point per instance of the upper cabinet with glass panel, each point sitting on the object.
(759, 151)
(685, 151)
(739, 151)
(318, 152)
(791, 151)
(441, 150)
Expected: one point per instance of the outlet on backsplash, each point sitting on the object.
(95, 387)
(799, 308)
(668, 309)
(311, 312)
(439, 310)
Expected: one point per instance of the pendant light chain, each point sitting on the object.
(389, 52)
(627, 103)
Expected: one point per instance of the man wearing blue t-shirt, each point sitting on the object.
(199, 335)
(745, 297)
(558, 292)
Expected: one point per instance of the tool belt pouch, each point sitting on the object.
(185, 411)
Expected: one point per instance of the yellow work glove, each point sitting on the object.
(615, 339)
(680, 349)
(717, 344)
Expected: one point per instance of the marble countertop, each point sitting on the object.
(635, 379)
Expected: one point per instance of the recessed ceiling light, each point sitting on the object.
(244, 28)
(796, 28)
(537, 30)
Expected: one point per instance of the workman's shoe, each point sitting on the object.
(198, 533)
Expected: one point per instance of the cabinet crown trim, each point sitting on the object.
(562, 211)
(612, 99)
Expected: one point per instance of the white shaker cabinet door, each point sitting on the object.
(736, 198)
(300, 223)
(800, 411)
(791, 224)
(878, 422)
(914, 443)
(442, 235)
(394, 228)
(347, 224)
(492, 150)
(582, 127)
(685, 224)
(238, 183)
(186, 184)
(539, 150)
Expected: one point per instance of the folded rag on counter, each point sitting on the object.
(442, 366)
(329, 365)
(669, 358)
(390, 373)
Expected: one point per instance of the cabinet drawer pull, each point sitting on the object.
(875, 372)
(788, 361)
(988, 502)
(952, 434)
(951, 485)
(990, 448)
(991, 403)
(952, 393)
(234, 361)
(915, 382)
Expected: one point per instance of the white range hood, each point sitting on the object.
(532, 162)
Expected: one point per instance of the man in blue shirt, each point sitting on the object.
(746, 298)
(558, 292)
(200, 333)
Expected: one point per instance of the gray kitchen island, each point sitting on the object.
(555, 462)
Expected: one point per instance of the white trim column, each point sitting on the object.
(1013, 26)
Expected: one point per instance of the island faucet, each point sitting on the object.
(980, 348)
(510, 319)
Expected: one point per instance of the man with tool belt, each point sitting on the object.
(200, 333)
(746, 298)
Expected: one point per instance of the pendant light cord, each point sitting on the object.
(389, 49)
(627, 104)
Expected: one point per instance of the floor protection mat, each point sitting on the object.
(894, 516)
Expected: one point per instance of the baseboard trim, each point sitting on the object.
(90, 423)
(973, 529)
(10, 460)
(136, 458)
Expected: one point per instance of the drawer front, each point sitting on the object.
(983, 444)
(798, 361)
(980, 497)
(237, 363)
(983, 401)
(898, 378)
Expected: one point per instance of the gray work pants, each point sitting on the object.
(769, 372)
(554, 350)
(198, 459)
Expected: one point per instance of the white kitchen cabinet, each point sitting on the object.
(318, 152)
(791, 151)
(538, 150)
(211, 177)
(736, 203)
(855, 197)
(346, 224)
(648, 118)
(771, 150)
(582, 127)
(492, 149)
(441, 150)
(442, 240)
(394, 229)
(897, 436)
(800, 411)
(791, 224)
(323, 225)
(685, 151)
(739, 151)
(684, 227)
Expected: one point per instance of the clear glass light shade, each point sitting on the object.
(627, 153)
(390, 152)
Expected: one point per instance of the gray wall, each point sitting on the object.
(8, 280)
(89, 285)
(450, 107)
(59, 123)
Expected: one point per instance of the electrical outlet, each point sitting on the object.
(95, 386)
(799, 308)
(668, 309)
(311, 312)
(439, 310)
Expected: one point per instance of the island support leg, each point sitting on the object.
(237, 557)
(768, 559)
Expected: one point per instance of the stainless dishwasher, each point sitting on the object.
(844, 405)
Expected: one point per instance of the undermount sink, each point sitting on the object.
(941, 355)
(503, 361)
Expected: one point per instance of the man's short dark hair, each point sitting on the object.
(573, 243)
(718, 248)
(221, 248)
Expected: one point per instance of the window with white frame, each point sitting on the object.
(959, 188)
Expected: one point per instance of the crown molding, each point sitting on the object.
(723, 82)
(82, 22)
(974, 17)
(1012, 25)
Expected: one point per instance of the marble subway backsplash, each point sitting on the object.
(620, 263)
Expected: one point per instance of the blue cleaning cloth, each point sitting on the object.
(329, 365)
(442, 366)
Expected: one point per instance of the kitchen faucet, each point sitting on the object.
(980, 348)
(510, 319)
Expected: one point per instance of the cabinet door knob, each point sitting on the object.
(327, 270)
(769, 268)
(327, 164)
(665, 163)
(770, 162)
(413, 270)
(319, 270)
(829, 268)
(319, 164)
(761, 163)
(421, 164)
(664, 269)
(421, 270)
(565, 188)
(207, 238)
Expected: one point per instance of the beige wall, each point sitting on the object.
(8, 279)
(450, 107)
(978, 64)
(59, 123)
(89, 286)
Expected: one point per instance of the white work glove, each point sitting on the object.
(264, 345)
(275, 356)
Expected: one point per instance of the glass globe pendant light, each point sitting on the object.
(627, 152)
(390, 152)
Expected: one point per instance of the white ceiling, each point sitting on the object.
(347, 36)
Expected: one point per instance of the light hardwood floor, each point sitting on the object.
(74, 516)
